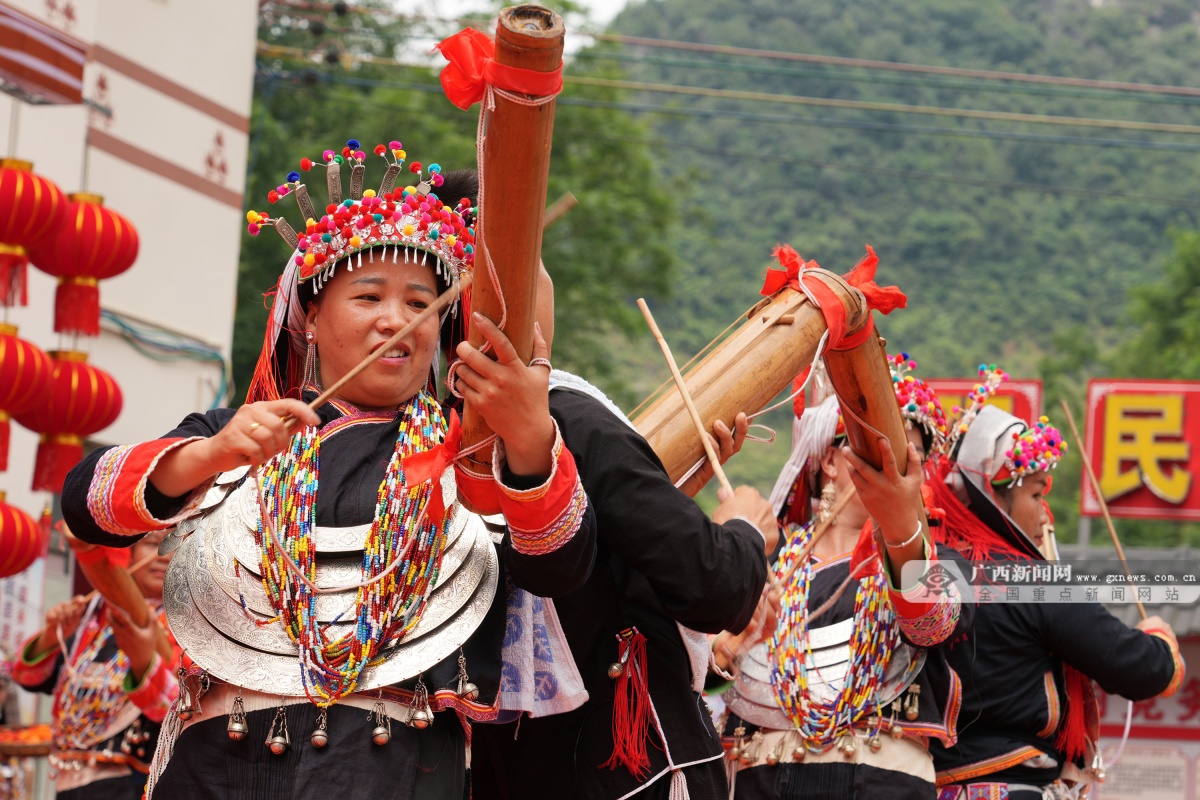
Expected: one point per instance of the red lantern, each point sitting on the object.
(21, 540)
(82, 400)
(93, 243)
(34, 208)
(24, 381)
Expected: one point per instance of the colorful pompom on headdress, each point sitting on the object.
(1034, 450)
(990, 378)
(919, 403)
(412, 219)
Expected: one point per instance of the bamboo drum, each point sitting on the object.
(747, 371)
(516, 166)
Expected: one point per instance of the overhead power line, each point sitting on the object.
(810, 58)
(896, 66)
(871, 105)
(673, 145)
(268, 49)
(789, 119)
(973, 85)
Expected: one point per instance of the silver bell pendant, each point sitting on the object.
(421, 719)
(320, 735)
(186, 708)
(875, 743)
(798, 753)
(278, 739)
(466, 689)
(237, 728)
(772, 758)
(381, 734)
(848, 748)
(422, 715)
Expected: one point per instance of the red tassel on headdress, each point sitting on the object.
(77, 306)
(960, 528)
(265, 382)
(631, 707)
(1076, 730)
(14, 265)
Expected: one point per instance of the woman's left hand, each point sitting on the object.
(136, 642)
(726, 443)
(511, 397)
(892, 500)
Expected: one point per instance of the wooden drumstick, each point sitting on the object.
(1112, 531)
(687, 398)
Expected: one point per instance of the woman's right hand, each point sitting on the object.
(254, 434)
(64, 616)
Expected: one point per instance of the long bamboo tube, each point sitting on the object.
(516, 167)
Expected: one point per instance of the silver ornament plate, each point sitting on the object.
(467, 600)
(330, 573)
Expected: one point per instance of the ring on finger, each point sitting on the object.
(254, 426)
(541, 362)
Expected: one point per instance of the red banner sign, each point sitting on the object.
(1020, 398)
(1140, 436)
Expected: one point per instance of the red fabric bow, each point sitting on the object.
(430, 464)
(792, 262)
(473, 68)
(883, 299)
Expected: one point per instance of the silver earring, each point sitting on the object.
(311, 376)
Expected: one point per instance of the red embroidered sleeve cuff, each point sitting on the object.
(34, 669)
(546, 517)
(1180, 667)
(927, 611)
(117, 495)
(155, 692)
(477, 491)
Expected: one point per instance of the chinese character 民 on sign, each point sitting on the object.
(1139, 438)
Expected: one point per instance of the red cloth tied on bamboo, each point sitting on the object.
(883, 299)
(430, 464)
(473, 68)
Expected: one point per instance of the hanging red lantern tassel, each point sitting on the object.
(20, 539)
(56, 454)
(14, 265)
(77, 306)
(94, 243)
(24, 381)
(83, 399)
(34, 209)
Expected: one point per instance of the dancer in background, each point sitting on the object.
(111, 687)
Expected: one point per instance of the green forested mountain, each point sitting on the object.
(1033, 278)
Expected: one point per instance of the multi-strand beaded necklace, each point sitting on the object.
(876, 634)
(386, 608)
(89, 691)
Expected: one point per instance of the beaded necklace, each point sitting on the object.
(89, 691)
(385, 609)
(875, 636)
